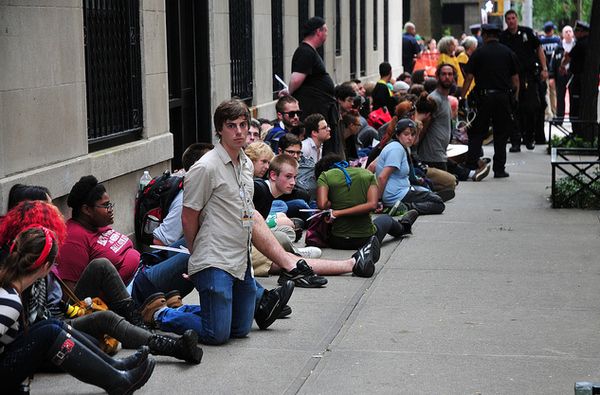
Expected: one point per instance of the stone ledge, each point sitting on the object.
(105, 165)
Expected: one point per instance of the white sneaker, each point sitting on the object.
(310, 252)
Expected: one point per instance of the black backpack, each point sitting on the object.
(152, 205)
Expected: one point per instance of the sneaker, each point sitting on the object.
(366, 257)
(302, 276)
(151, 305)
(408, 220)
(272, 302)
(398, 208)
(485, 160)
(310, 252)
(514, 148)
(530, 146)
(285, 311)
(174, 299)
(482, 172)
(500, 174)
(445, 194)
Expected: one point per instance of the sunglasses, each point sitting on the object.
(292, 114)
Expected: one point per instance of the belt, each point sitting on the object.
(492, 91)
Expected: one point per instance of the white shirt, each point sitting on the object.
(310, 150)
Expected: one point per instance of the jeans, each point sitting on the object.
(28, 352)
(110, 323)
(384, 225)
(425, 202)
(226, 305)
(291, 208)
(163, 277)
(101, 278)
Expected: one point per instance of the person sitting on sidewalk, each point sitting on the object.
(24, 349)
(393, 175)
(100, 278)
(288, 119)
(352, 194)
(318, 133)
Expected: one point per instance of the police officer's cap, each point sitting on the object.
(475, 28)
(582, 26)
(490, 28)
(403, 124)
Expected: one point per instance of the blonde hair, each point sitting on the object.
(258, 150)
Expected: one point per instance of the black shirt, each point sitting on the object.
(317, 91)
(382, 98)
(493, 66)
(524, 44)
(262, 199)
(577, 55)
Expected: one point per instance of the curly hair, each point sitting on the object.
(32, 212)
(85, 191)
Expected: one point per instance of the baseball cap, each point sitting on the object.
(403, 124)
(548, 26)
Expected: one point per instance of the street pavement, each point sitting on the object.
(498, 295)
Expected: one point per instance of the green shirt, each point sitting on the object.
(342, 197)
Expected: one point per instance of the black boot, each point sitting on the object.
(128, 310)
(185, 348)
(86, 365)
(127, 363)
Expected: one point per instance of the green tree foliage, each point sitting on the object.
(559, 12)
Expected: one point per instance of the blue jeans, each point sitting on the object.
(226, 305)
(163, 277)
(28, 352)
(291, 208)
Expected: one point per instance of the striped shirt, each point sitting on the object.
(10, 310)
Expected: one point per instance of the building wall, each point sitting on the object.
(43, 114)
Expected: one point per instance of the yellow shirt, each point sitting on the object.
(454, 62)
(463, 58)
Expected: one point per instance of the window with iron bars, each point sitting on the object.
(112, 71)
(386, 30)
(320, 11)
(277, 43)
(375, 25)
(338, 28)
(352, 22)
(240, 50)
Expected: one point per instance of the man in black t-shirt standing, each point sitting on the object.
(310, 83)
(532, 71)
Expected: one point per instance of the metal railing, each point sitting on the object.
(113, 71)
(240, 49)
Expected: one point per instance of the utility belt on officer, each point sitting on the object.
(483, 92)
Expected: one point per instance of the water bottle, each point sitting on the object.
(145, 180)
(88, 303)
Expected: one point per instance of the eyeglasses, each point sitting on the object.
(325, 128)
(109, 206)
(292, 152)
(292, 114)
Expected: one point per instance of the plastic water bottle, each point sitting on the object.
(145, 180)
(88, 303)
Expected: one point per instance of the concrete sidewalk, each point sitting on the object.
(498, 295)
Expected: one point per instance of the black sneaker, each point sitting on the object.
(302, 276)
(408, 220)
(514, 148)
(272, 302)
(286, 311)
(366, 257)
(500, 174)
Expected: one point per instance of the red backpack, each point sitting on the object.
(377, 118)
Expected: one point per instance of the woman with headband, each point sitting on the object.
(24, 349)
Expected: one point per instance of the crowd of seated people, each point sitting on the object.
(369, 186)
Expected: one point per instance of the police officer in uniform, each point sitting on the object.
(576, 60)
(494, 67)
(532, 71)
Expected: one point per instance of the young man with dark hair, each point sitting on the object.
(318, 132)
(382, 95)
(288, 116)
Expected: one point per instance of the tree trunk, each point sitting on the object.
(589, 91)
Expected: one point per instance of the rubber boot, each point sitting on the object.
(128, 310)
(86, 365)
(127, 363)
(185, 348)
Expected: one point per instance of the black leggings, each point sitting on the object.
(28, 353)
(101, 278)
(107, 322)
(384, 224)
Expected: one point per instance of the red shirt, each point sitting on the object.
(82, 246)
